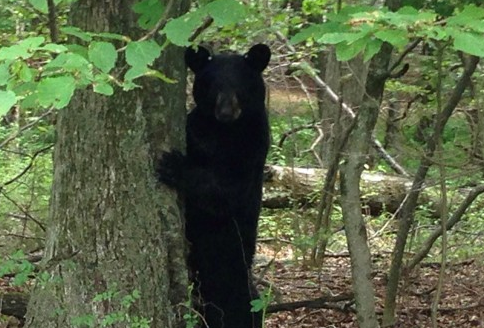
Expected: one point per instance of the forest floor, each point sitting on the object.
(292, 284)
(461, 305)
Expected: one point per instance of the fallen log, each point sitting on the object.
(286, 186)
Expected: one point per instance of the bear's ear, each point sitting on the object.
(258, 57)
(197, 59)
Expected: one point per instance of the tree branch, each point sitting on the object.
(327, 302)
(311, 72)
(32, 159)
(25, 127)
(453, 220)
(24, 211)
(406, 215)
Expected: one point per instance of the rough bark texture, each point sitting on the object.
(113, 228)
(354, 158)
(348, 80)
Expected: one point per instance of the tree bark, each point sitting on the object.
(114, 231)
(347, 79)
(354, 157)
(353, 160)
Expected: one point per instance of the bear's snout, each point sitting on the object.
(227, 108)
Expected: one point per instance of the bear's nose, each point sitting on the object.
(227, 108)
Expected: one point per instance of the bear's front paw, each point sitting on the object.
(169, 168)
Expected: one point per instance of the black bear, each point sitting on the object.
(221, 178)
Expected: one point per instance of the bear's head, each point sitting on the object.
(228, 86)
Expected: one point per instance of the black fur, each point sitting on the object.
(221, 179)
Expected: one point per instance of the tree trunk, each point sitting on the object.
(351, 88)
(348, 80)
(355, 154)
(114, 231)
(392, 129)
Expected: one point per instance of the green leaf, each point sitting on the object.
(434, 32)
(319, 31)
(407, 10)
(70, 62)
(257, 305)
(408, 16)
(30, 102)
(476, 25)
(469, 14)
(226, 12)
(336, 38)
(25, 73)
(470, 43)
(345, 51)
(54, 47)
(304, 34)
(23, 89)
(24, 49)
(178, 30)
(150, 12)
(40, 5)
(4, 73)
(77, 32)
(102, 84)
(129, 85)
(103, 55)
(13, 52)
(372, 47)
(161, 76)
(7, 100)
(135, 71)
(32, 43)
(397, 38)
(56, 91)
(103, 88)
(142, 53)
(348, 12)
(113, 36)
(78, 50)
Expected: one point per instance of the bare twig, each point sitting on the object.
(389, 159)
(294, 130)
(158, 26)
(22, 236)
(311, 72)
(206, 23)
(23, 210)
(161, 23)
(18, 176)
(407, 50)
(407, 213)
(32, 159)
(25, 127)
(453, 220)
(327, 302)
